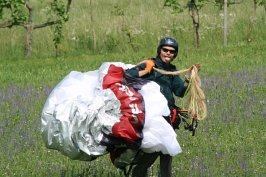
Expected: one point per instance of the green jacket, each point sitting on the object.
(169, 84)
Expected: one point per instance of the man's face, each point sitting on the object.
(167, 54)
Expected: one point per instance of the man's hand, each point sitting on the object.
(149, 65)
(188, 75)
(198, 66)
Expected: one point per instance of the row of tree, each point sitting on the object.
(13, 13)
(194, 7)
(16, 15)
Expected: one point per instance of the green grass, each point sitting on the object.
(50, 71)
(231, 141)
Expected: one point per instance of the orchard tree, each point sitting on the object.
(256, 3)
(223, 4)
(120, 12)
(193, 7)
(92, 26)
(21, 13)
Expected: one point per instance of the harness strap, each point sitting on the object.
(173, 115)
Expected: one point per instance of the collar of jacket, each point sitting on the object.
(161, 64)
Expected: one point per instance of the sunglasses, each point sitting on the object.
(167, 50)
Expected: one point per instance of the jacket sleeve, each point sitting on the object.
(134, 72)
(178, 86)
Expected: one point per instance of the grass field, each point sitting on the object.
(231, 141)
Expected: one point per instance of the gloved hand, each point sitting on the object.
(149, 65)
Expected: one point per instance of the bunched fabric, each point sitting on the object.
(88, 113)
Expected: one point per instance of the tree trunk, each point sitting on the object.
(196, 33)
(29, 38)
(92, 26)
(195, 18)
(225, 22)
(252, 20)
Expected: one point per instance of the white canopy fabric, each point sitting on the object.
(78, 111)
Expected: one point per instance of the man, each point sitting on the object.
(167, 51)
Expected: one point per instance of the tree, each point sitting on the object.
(121, 13)
(253, 18)
(92, 26)
(15, 15)
(193, 6)
(223, 4)
(193, 9)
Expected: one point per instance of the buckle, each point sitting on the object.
(185, 115)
